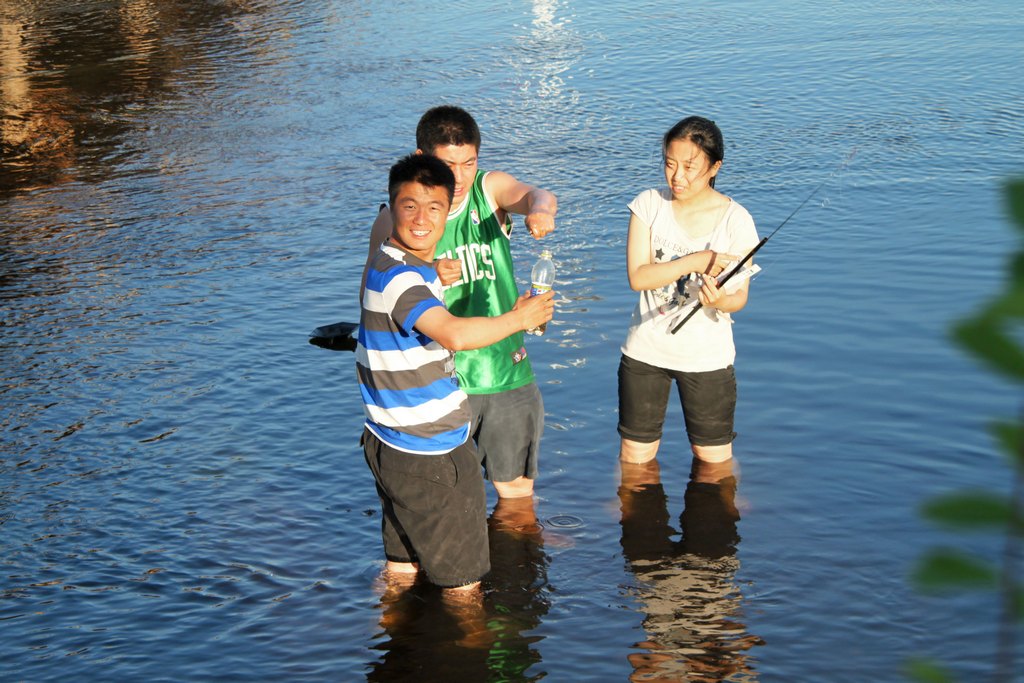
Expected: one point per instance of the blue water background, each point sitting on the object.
(182, 492)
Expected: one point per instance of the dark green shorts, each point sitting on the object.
(507, 428)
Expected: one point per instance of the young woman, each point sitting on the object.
(680, 238)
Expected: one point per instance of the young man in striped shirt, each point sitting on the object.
(416, 437)
(474, 261)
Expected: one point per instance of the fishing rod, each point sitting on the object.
(750, 254)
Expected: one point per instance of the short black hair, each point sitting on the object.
(424, 169)
(446, 125)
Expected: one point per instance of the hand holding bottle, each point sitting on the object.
(543, 279)
(537, 309)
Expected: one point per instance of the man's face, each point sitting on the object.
(461, 159)
(419, 213)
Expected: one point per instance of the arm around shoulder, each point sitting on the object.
(379, 232)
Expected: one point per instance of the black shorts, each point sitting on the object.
(708, 400)
(434, 510)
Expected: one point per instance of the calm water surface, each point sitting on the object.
(185, 193)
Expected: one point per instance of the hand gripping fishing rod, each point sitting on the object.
(750, 254)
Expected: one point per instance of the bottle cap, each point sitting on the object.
(545, 253)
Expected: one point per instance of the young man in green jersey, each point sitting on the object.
(474, 261)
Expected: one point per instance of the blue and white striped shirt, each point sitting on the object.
(411, 396)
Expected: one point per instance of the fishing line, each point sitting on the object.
(750, 254)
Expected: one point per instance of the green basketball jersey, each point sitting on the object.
(487, 288)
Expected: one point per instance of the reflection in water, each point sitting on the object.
(544, 61)
(517, 590)
(429, 638)
(547, 53)
(476, 639)
(73, 77)
(686, 586)
(34, 128)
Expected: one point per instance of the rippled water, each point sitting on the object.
(185, 193)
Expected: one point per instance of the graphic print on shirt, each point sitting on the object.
(477, 263)
(478, 236)
(676, 297)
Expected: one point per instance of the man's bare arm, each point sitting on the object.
(461, 334)
(513, 196)
(380, 231)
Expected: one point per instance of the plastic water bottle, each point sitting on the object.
(543, 279)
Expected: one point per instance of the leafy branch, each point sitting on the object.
(991, 335)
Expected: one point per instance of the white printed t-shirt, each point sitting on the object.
(705, 342)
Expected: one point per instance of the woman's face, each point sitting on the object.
(688, 170)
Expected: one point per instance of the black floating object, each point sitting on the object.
(336, 337)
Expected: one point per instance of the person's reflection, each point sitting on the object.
(480, 637)
(429, 636)
(686, 585)
(516, 587)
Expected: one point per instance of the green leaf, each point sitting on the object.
(927, 671)
(1015, 200)
(1017, 270)
(1008, 306)
(983, 338)
(1010, 436)
(979, 509)
(943, 570)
